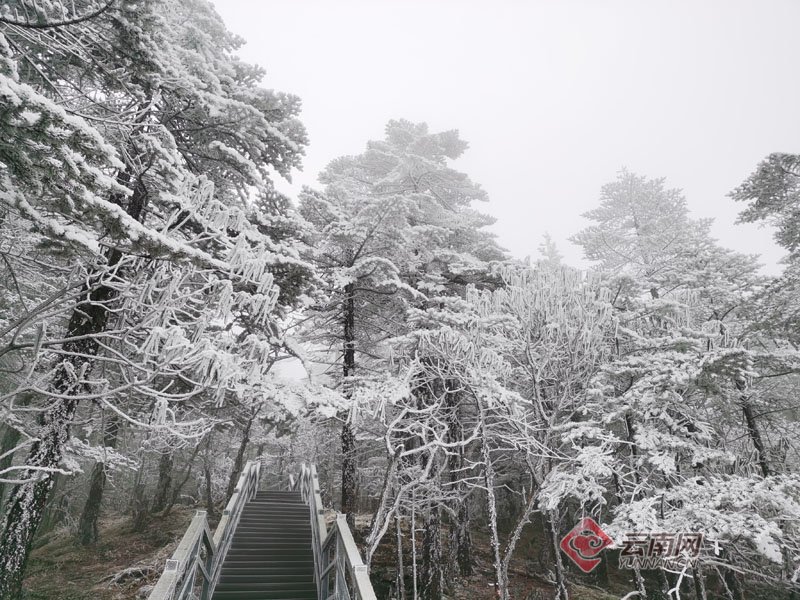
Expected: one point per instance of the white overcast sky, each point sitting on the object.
(554, 97)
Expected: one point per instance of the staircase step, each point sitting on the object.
(278, 509)
(285, 535)
(244, 555)
(268, 543)
(268, 564)
(276, 516)
(238, 554)
(265, 595)
(279, 585)
(260, 563)
(270, 556)
(293, 525)
(292, 549)
(274, 525)
(289, 509)
(293, 497)
(275, 521)
(261, 576)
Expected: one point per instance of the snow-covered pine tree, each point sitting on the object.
(394, 224)
(668, 417)
(132, 143)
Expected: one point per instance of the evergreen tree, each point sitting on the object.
(395, 226)
(133, 142)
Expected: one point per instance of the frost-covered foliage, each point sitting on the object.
(397, 237)
(675, 432)
(394, 226)
(143, 187)
(150, 262)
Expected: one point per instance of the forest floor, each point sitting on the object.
(124, 562)
(116, 568)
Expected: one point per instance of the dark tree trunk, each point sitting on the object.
(431, 572)
(699, 583)
(551, 524)
(238, 462)
(11, 437)
(27, 500)
(57, 507)
(732, 586)
(176, 490)
(87, 527)
(207, 473)
(461, 539)
(664, 585)
(141, 514)
(349, 487)
(165, 464)
(752, 428)
(400, 583)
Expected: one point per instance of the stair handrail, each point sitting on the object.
(180, 572)
(246, 489)
(178, 579)
(308, 484)
(339, 571)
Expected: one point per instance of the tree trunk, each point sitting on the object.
(176, 491)
(10, 440)
(699, 583)
(207, 473)
(501, 585)
(238, 462)
(733, 588)
(639, 582)
(165, 465)
(752, 428)
(349, 488)
(87, 527)
(401, 576)
(562, 592)
(664, 585)
(516, 534)
(57, 508)
(432, 576)
(27, 500)
(139, 503)
(461, 538)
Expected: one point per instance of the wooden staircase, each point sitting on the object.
(271, 556)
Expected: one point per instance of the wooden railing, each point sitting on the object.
(339, 571)
(193, 570)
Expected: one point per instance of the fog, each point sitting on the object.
(554, 97)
